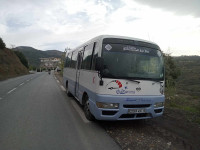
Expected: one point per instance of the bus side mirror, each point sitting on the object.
(99, 64)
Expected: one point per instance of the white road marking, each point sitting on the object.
(27, 80)
(80, 112)
(57, 81)
(21, 84)
(63, 88)
(0, 98)
(11, 90)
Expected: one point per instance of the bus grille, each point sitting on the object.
(137, 106)
(142, 115)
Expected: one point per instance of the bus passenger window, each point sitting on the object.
(68, 60)
(74, 60)
(87, 57)
(95, 55)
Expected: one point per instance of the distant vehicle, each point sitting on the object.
(116, 78)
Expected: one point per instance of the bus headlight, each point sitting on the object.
(107, 105)
(159, 104)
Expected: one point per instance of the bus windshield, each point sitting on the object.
(132, 62)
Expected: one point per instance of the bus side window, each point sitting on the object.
(86, 64)
(73, 60)
(68, 60)
(80, 57)
(95, 55)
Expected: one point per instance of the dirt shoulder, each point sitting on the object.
(172, 131)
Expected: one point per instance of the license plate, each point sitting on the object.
(133, 111)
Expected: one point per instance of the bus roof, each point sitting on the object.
(123, 37)
(101, 37)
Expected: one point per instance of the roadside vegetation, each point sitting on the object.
(2, 44)
(62, 63)
(184, 94)
(22, 58)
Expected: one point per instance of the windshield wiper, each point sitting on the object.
(156, 81)
(109, 76)
(138, 82)
(115, 77)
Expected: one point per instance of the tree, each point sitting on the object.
(171, 70)
(32, 67)
(22, 58)
(62, 62)
(2, 44)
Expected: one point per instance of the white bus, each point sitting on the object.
(116, 78)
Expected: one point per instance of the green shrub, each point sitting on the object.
(172, 72)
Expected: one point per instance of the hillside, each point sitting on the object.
(33, 55)
(189, 81)
(10, 65)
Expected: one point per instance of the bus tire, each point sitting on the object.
(87, 112)
(67, 90)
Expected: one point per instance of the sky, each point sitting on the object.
(57, 24)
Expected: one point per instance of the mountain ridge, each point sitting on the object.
(33, 55)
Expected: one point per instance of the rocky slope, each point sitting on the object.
(10, 65)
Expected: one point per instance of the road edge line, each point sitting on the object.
(80, 112)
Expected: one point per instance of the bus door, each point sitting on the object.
(79, 61)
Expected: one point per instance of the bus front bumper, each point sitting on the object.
(130, 107)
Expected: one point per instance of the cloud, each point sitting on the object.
(56, 45)
(180, 7)
(180, 33)
(57, 24)
(51, 19)
(14, 23)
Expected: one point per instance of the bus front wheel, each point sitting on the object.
(87, 112)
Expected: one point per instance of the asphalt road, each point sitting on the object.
(36, 114)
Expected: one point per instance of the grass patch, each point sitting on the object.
(173, 104)
(190, 109)
(186, 103)
(61, 73)
(197, 120)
